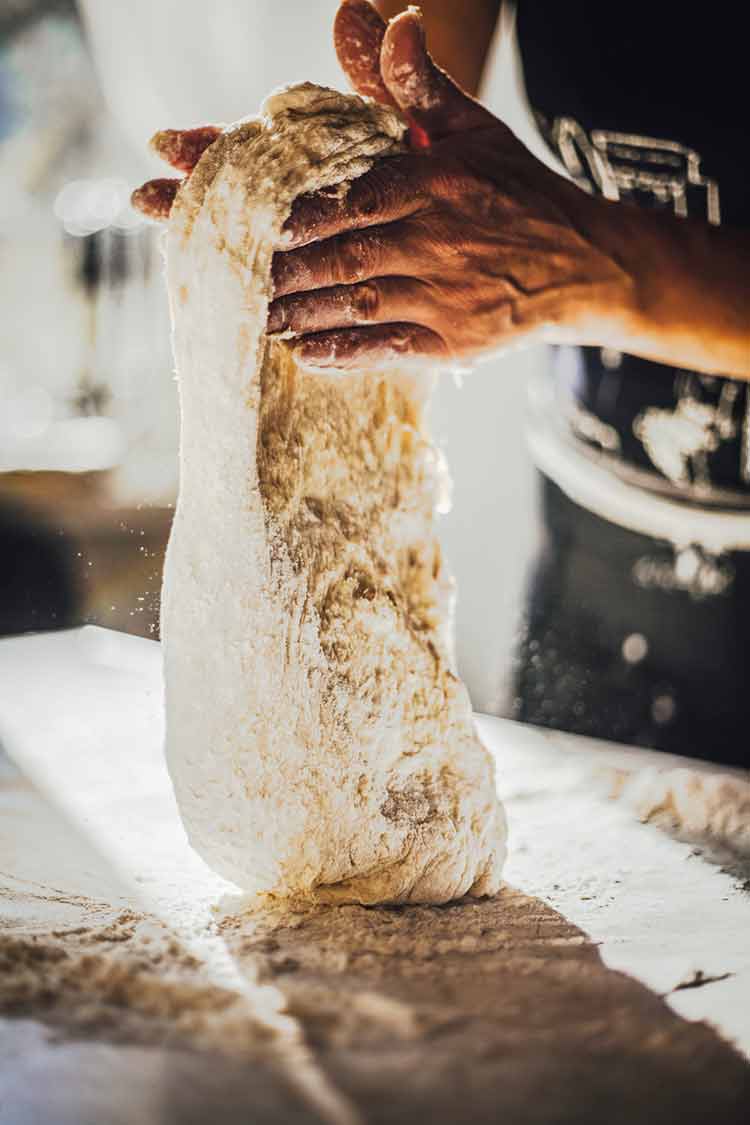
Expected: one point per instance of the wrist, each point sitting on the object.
(613, 308)
(646, 247)
(679, 299)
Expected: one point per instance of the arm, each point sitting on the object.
(689, 305)
(468, 244)
(472, 245)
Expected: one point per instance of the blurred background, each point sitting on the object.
(601, 585)
(88, 406)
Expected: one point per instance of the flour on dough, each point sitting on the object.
(319, 743)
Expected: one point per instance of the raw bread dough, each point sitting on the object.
(319, 743)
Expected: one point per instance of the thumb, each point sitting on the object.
(358, 32)
(423, 92)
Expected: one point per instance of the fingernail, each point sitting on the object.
(414, 17)
(275, 322)
(404, 52)
(155, 198)
(309, 355)
(183, 148)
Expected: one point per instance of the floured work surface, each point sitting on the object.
(136, 987)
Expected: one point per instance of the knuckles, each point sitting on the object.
(372, 195)
(366, 301)
(357, 254)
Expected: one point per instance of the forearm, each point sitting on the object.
(685, 299)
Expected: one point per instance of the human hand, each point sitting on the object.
(462, 246)
(467, 244)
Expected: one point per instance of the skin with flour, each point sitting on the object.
(319, 742)
(469, 244)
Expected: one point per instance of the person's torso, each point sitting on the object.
(642, 102)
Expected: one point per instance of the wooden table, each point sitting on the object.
(138, 987)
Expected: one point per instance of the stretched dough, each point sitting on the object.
(318, 741)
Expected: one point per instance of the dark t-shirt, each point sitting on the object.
(646, 102)
(643, 102)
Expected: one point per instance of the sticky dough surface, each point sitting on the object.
(319, 743)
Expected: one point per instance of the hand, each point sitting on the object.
(467, 244)
(460, 247)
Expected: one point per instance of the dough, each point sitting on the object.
(319, 743)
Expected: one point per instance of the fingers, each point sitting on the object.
(358, 33)
(155, 198)
(392, 190)
(355, 349)
(183, 148)
(383, 300)
(423, 92)
(348, 258)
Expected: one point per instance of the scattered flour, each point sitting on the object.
(701, 807)
(113, 932)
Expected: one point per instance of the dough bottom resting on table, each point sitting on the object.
(319, 743)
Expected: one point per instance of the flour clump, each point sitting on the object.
(319, 744)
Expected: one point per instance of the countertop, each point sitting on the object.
(606, 982)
